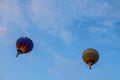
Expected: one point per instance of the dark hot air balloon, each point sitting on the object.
(90, 56)
(23, 45)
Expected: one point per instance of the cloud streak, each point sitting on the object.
(3, 31)
(63, 68)
(54, 19)
(11, 16)
(50, 20)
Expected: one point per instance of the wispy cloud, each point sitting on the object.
(11, 15)
(62, 72)
(104, 35)
(97, 9)
(3, 31)
(66, 36)
(59, 63)
(101, 30)
(50, 20)
(9, 11)
(62, 68)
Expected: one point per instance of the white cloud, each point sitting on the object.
(55, 19)
(66, 36)
(3, 31)
(46, 14)
(9, 10)
(11, 14)
(59, 59)
(62, 68)
(104, 35)
(62, 33)
(94, 29)
(12, 22)
(50, 20)
(111, 24)
(60, 62)
(97, 9)
(107, 31)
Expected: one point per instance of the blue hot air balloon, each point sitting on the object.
(24, 45)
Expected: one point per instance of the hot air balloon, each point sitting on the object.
(90, 56)
(23, 45)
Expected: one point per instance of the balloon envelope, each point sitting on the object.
(90, 56)
(24, 45)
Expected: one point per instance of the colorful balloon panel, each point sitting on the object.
(24, 45)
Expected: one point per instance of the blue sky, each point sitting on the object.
(61, 30)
